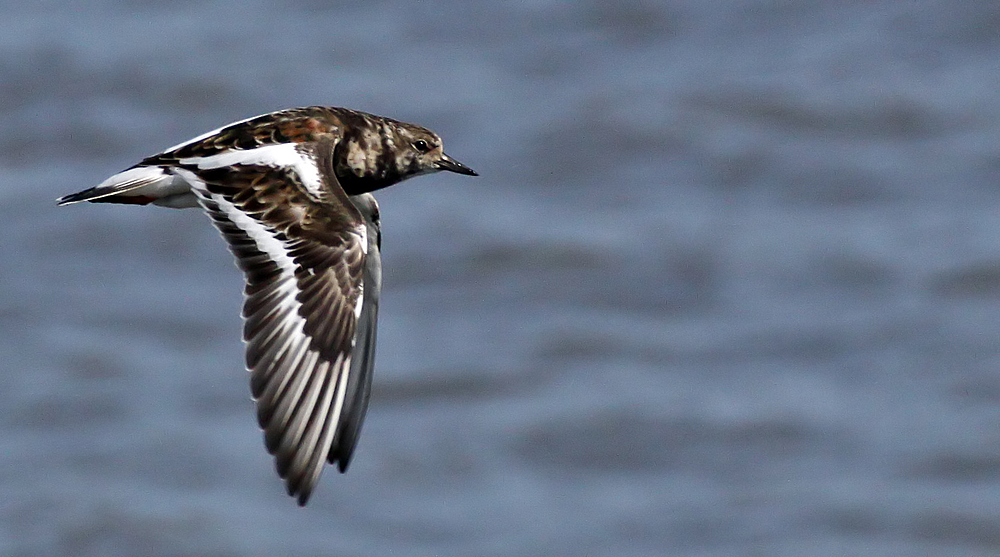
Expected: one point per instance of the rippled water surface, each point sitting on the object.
(728, 283)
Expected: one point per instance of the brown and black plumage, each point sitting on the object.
(290, 193)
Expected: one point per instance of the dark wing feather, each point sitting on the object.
(362, 364)
(302, 247)
(293, 125)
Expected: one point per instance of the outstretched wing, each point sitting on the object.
(302, 245)
(153, 180)
(293, 125)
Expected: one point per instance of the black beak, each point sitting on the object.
(448, 163)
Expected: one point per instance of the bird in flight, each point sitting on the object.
(290, 192)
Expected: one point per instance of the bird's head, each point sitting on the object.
(419, 151)
(384, 152)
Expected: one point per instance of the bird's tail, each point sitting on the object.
(137, 186)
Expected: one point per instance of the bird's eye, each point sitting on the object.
(421, 145)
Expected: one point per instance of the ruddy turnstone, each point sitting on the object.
(290, 193)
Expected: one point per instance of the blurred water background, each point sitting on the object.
(728, 283)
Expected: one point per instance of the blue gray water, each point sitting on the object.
(728, 283)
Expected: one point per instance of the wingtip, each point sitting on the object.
(300, 493)
(77, 197)
(67, 200)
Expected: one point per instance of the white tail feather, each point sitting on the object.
(142, 181)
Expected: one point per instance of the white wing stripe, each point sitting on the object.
(357, 309)
(283, 155)
(362, 230)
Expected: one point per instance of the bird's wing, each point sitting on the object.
(363, 362)
(302, 245)
(154, 177)
(293, 125)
